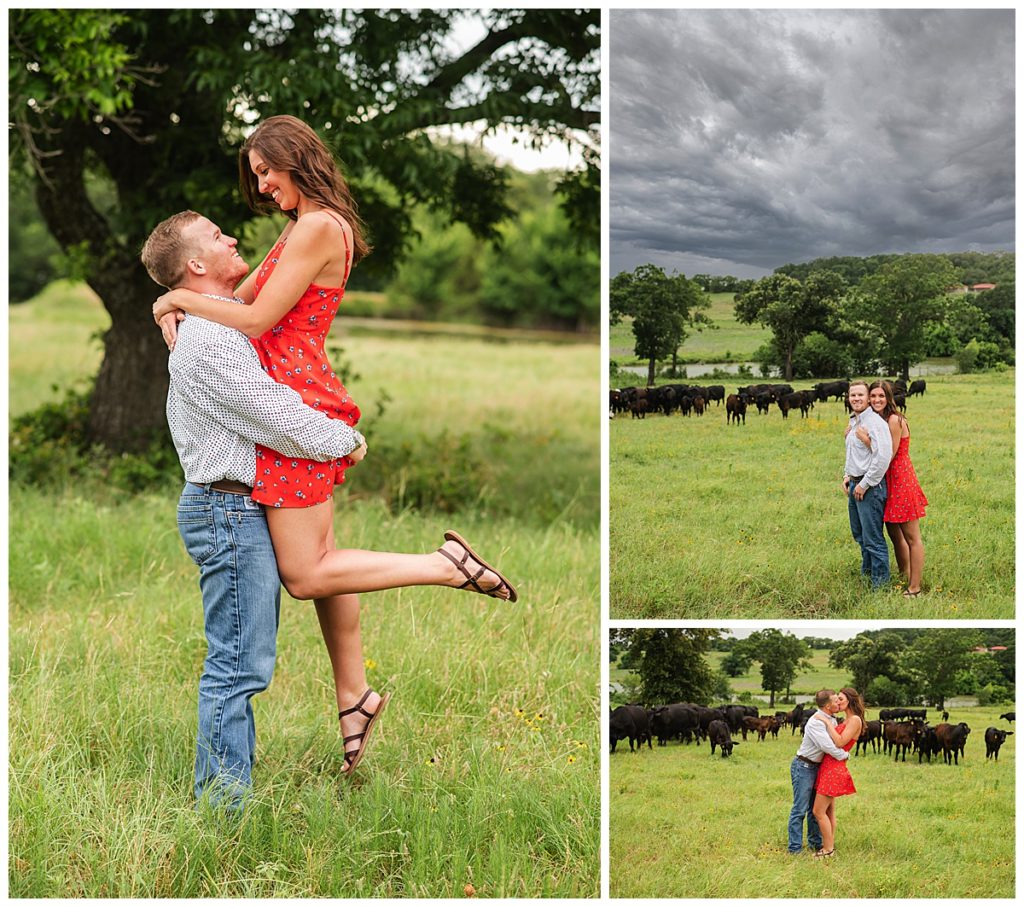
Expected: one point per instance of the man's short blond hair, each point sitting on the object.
(166, 252)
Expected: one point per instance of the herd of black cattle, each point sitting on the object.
(895, 730)
(691, 398)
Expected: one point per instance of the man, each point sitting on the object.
(864, 484)
(219, 405)
(804, 772)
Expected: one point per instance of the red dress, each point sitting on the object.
(834, 777)
(906, 500)
(292, 352)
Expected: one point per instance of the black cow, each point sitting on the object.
(639, 408)
(1009, 716)
(629, 721)
(672, 722)
(928, 744)
(827, 389)
(718, 733)
(994, 739)
(952, 739)
(763, 402)
(735, 408)
(945, 715)
(916, 387)
(870, 733)
(716, 392)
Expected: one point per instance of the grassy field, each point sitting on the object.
(486, 770)
(727, 341)
(685, 824)
(709, 520)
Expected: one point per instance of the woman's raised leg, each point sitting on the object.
(309, 568)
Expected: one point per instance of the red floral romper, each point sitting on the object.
(292, 352)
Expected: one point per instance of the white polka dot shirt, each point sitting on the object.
(221, 403)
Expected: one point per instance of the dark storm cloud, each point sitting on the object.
(745, 139)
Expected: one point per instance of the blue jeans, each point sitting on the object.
(227, 537)
(803, 776)
(866, 526)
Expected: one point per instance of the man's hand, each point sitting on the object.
(846, 486)
(859, 492)
(358, 453)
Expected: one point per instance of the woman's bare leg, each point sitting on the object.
(899, 545)
(339, 623)
(309, 568)
(831, 813)
(915, 544)
(820, 810)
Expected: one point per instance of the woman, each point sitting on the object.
(834, 776)
(906, 503)
(291, 300)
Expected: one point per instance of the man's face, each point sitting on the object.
(215, 251)
(858, 394)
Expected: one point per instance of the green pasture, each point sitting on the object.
(711, 520)
(819, 676)
(486, 768)
(686, 824)
(728, 340)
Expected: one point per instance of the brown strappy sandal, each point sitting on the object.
(353, 757)
(471, 579)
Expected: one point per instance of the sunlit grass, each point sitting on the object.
(710, 520)
(686, 824)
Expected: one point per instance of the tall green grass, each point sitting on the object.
(685, 824)
(485, 770)
(710, 520)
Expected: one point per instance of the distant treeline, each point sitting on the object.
(972, 267)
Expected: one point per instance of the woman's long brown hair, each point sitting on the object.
(288, 144)
(856, 704)
(890, 402)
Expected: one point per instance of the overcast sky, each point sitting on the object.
(742, 140)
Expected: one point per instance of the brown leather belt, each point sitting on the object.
(808, 761)
(231, 487)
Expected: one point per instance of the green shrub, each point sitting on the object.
(885, 692)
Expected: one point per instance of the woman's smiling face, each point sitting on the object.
(278, 184)
(877, 399)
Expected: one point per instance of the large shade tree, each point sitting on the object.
(900, 301)
(662, 307)
(157, 102)
(792, 309)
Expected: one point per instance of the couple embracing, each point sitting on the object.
(881, 486)
(265, 432)
(819, 772)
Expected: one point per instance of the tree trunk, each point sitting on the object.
(789, 365)
(127, 408)
(771, 699)
(128, 401)
(905, 373)
(651, 365)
